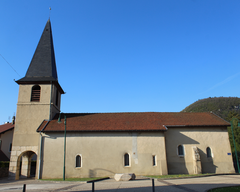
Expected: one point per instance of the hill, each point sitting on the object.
(225, 107)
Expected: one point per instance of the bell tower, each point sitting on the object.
(38, 99)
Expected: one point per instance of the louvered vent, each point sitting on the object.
(36, 91)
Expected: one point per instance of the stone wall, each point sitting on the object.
(16, 154)
(3, 172)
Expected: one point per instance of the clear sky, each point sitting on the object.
(125, 55)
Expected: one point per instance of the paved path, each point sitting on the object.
(199, 184)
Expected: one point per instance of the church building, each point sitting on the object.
(103, 144)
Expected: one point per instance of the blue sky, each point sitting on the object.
(123, 55)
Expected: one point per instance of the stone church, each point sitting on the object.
(103, 144)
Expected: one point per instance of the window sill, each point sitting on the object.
(181, 156)
(78, 167)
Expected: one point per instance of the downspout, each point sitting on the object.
(40, 152)
(50, 106)
(64, 155)
(166, 166)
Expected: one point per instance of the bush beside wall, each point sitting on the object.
(4, 167)
(4, 164)
(3, 172)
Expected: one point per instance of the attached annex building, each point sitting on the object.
(6, 135)
(103, 144)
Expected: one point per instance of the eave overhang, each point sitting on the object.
(36, 81)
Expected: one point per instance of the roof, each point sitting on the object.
(6, 127)
(146, 121)
(43, 63)
(3, 157)
(42, 68)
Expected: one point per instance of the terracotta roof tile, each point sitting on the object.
(6, 127)
(146, 121)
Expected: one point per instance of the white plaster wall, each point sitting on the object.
(6, 141)
(102, 154)
(215, 138)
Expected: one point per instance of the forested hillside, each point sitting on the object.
(225, 107)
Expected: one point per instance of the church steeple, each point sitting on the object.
(43, 65)
(42, 68)
(39, 98)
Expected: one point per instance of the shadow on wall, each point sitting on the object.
(178, 167)
(177, 164)
(207, 163)
(93, 172)
(41, 160)
(183, 139)
(235, 166)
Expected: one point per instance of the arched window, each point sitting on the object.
(154, 158)
(180, 150)
(36, 91)
(209, 152)
(78, 161)
(126, 159)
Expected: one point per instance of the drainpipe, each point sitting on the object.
(64, 148)
(50, 106)
(40, 152)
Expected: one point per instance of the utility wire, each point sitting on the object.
(10, 65)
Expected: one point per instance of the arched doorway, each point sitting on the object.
(26, 165)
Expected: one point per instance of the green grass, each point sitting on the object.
(226, 189)
(73, 179)
(174, 176)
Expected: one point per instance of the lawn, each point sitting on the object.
(175, 176)
(226, 189)
(73, 179)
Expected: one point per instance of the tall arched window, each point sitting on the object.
(36, 91)
(209, 152)
(180, 150)
(154, 160)
(78, 161)
(126, 159)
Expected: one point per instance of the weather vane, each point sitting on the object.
(49, 12)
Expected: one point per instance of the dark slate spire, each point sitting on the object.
(43, 65)
(42, 69)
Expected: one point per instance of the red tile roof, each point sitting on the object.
(146, 121)
(6, 127)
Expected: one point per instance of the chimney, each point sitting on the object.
(13, 120)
